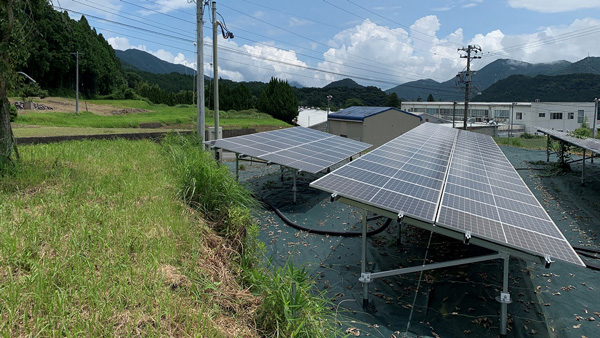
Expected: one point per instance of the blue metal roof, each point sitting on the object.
(359, 113)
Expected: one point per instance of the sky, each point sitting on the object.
(377, 43)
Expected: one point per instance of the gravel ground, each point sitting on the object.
(560, 301)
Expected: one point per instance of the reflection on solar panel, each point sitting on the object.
(299, 148)
(590, 144)
(453, 179)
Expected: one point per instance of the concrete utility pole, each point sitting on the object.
(595, 118)
(200, 110)
(467, 78)
(453, 113)
(512, 112)
(77, 81)
(215, 68)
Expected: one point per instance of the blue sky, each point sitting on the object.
(380, 43)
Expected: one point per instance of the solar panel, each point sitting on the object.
(298, 147)
(404, 174)
(494, 203)
(456, 180)
(590, 144)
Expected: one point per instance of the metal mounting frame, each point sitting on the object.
(502, 252)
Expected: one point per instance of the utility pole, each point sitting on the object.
(467, 78)
(226, 35)
(329, 97)
(215, 74)
(215, 68)
(595, 118)
(77, 81)
(512, 112)
(453, 113)
(200, 124)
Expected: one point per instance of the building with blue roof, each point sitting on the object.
(374, 125)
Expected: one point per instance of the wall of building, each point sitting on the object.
(553, 115)
(345, 128)
(383, 127)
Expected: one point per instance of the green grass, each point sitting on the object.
(537, 142)
(169, 116)
(94, 241)
(44, 131)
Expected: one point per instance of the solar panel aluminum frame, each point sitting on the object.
(455, 234)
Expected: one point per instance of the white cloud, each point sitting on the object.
(295, 22)
(553, 6)
(123, 44)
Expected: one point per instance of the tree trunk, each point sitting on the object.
(8, 146)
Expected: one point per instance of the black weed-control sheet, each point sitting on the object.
(452, 302)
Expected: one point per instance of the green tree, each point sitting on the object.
(14, 20)
(419, 99)
(278, 100)
(430, 98)
(354, 102)
(392, 100)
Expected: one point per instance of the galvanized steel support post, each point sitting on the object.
(548, 145)
(583, 167)
(504, 298)
(237, 167)
(363, 261)
(294, 189)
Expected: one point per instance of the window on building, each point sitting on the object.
(570, 116)
(542, 115)
(519, 116)
(580, 116)
(501, 113)
(555, 116)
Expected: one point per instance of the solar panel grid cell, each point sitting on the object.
(300, 148)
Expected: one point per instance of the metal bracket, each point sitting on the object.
(334, 197)
(365, 277)
(467, 237)
(504, 298)
(400, 217)
(548, 261)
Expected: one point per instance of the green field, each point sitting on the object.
(183, 116)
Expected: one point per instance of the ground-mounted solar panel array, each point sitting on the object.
(453, 179)
(299, 148)
(590, 144)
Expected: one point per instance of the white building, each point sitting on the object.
(526, 116)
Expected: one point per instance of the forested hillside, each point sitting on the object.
(559, 88)
(50, 62)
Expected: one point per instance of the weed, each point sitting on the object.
(292, 307)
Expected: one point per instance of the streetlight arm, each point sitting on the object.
(27, 76)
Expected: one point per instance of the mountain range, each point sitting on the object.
(495, 72)
(490, 74)
(147, 62)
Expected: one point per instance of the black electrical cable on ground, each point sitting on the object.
(581, 248)
(328, 232)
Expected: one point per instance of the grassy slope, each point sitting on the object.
(179, 115)
(43, 131)
(95, 242)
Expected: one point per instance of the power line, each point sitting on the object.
(399, 24)
(385, 71)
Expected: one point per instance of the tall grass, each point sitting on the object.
(292, 306)
(95, 242)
